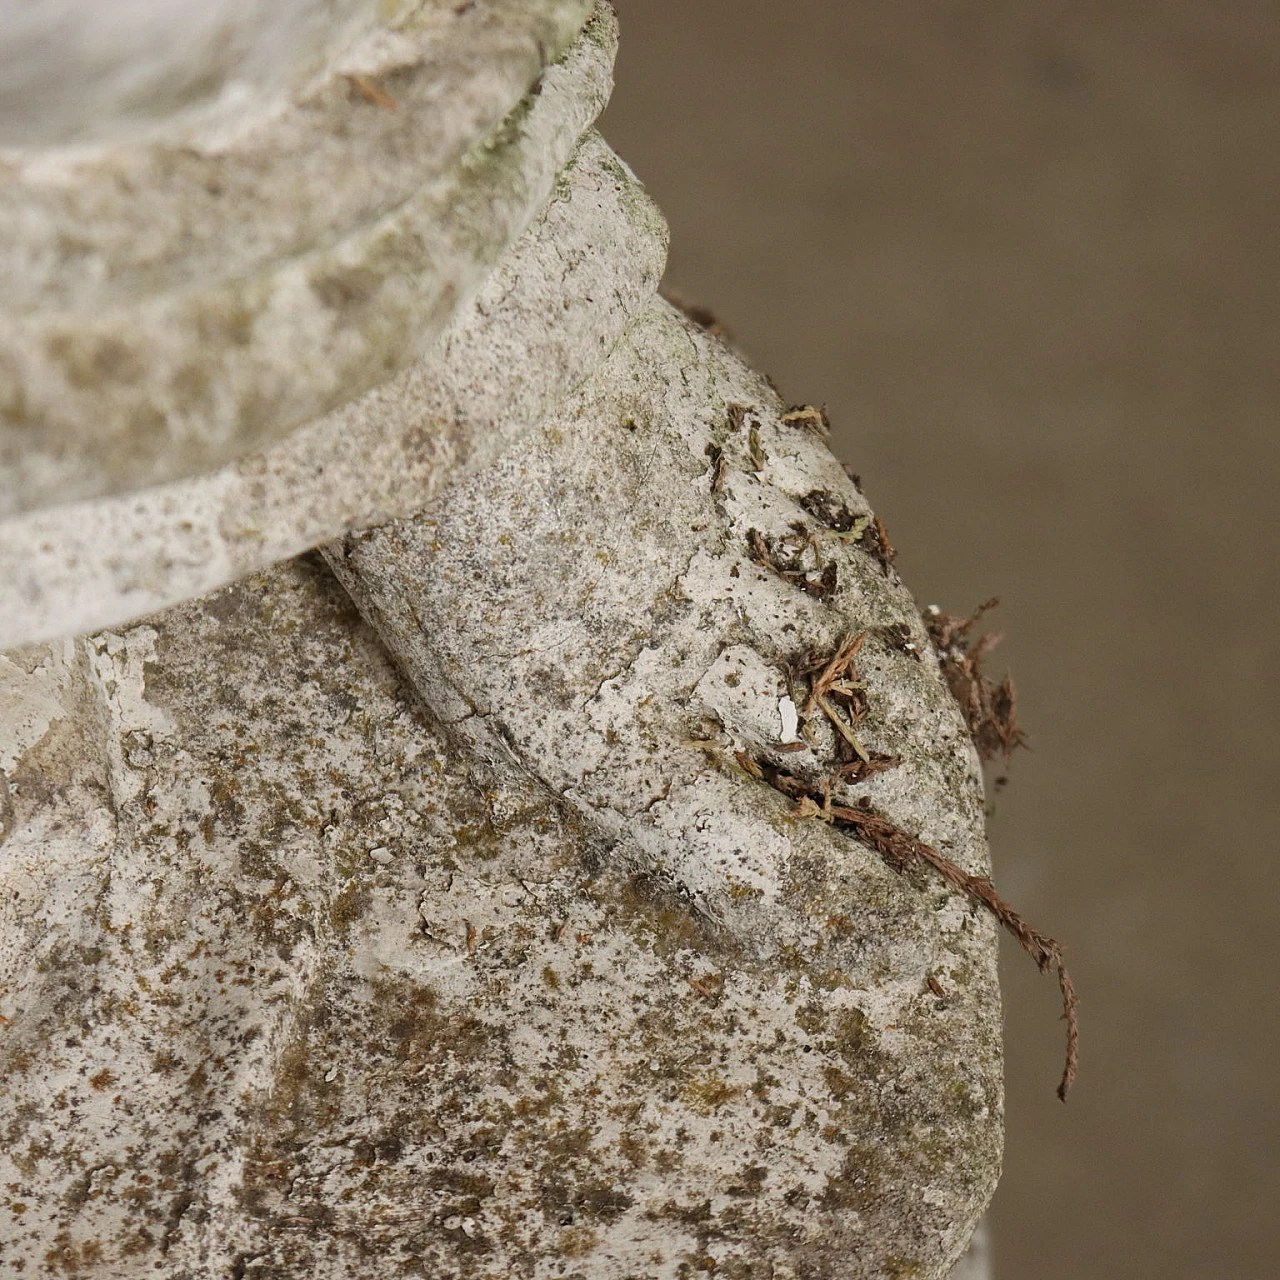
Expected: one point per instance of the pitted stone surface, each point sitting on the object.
(506, 969)
(294, 988)
(172, 304)
(451, 932)
(546, 316)
(587, 610)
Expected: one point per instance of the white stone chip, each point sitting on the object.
(790, 719)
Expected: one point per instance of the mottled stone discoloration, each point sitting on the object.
(570, 613)
(543, 319)
(418, 909)
(222, 291)
(494, 972)
(325, 994)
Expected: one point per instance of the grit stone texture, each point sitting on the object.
(545, 316)
(501, 966)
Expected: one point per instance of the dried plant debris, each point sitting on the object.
(794, 557)
(865, 529)
(835, 692)
(902, 850)
(806, 416)
(990, 709)
(837, 695)
(853, 771)
(875, 542)
(899, 638)
(717, 469)
(826, 508)
(702, 316)
(824, 586)
(760, 551)
(834, 684)
(755, 449)
(737, 416)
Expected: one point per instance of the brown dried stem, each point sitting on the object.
(834, 670)
(898, 848)
(990, 709)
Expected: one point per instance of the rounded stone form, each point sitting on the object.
(424, 908)
(456, 939)
(541, 321)
(175, 300)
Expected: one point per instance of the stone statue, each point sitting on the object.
(458, 728)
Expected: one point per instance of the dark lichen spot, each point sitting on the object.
(346, 289)
(811, 1017)
(710, 1092)
(750, 1181)
(603, 1201)
(663, 919)
(420, 1032)
(350, 905)
(859, 1184)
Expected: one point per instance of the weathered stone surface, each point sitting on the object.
(175, 303)
(540, 323)
(73, 74)
(453, 932)
(588, 611)
(511, 971)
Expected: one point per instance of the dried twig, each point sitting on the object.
(990, 709)
(835, 669)
(844, 730)
(759, 550)
(899, 849)
(371, 93)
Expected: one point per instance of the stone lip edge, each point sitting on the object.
(70, 214)
(83, 566)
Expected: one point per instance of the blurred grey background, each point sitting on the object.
(1027, 254)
